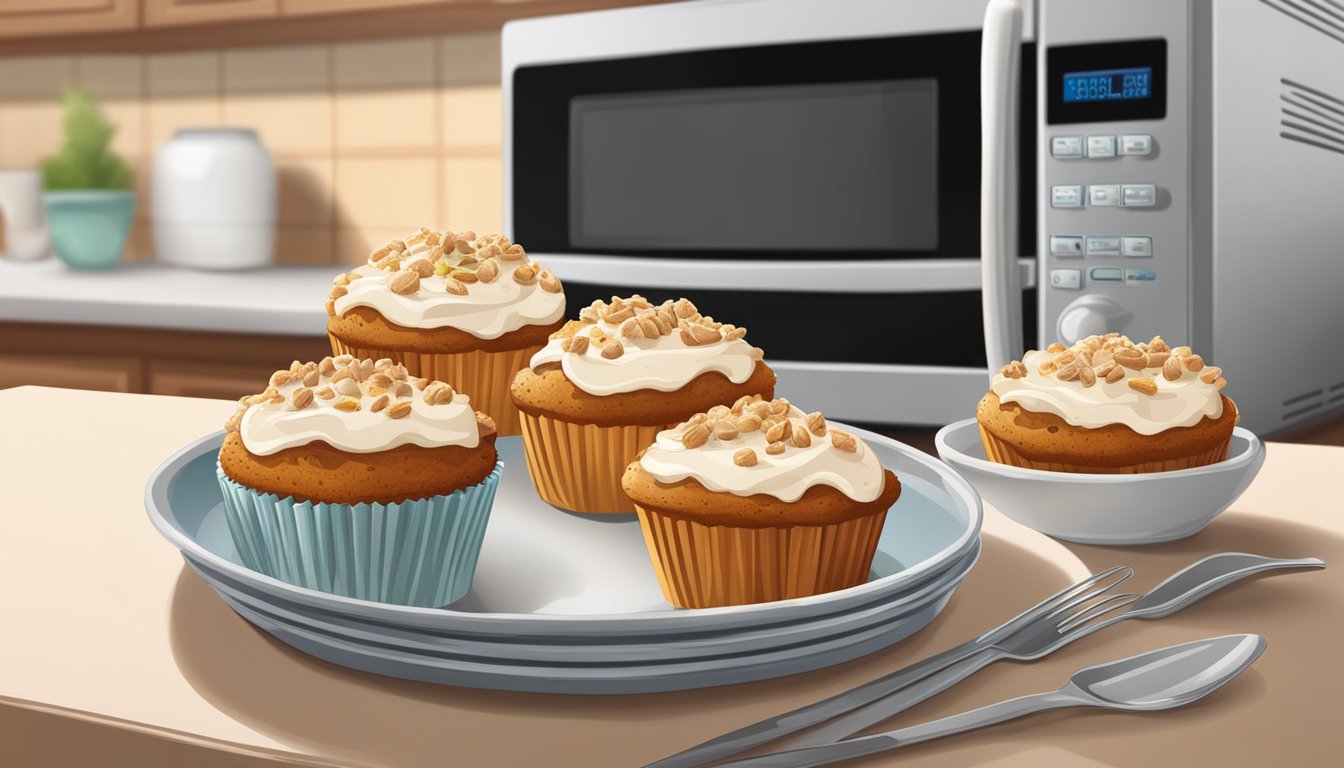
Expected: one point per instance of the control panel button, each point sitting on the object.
(1138, 195)
(1101, 146)
(1066, 245)
(1103, 194)
(1068, 279)
(1136, 144)
(1106, 275)
(1139, 276)
(1065, 147)
(1136, 247)
(1103, 246)
(1066, 196)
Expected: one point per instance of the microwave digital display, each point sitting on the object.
(1106, 82)
(1108, 85)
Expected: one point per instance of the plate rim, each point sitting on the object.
(160, 480)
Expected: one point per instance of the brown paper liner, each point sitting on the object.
(704, 566)
(482, 376)
(579, 466)
(998, 451)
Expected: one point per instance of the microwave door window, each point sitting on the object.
(831, 167)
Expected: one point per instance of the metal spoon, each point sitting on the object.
(1183, 588)
(1162, 679)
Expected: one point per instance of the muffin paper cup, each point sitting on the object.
(579, 466)
(482, 376)
(1001, 452)
(705, 566)
(421, 552)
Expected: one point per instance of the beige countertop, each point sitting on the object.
(110, 643)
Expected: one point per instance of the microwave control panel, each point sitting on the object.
(1113, 173)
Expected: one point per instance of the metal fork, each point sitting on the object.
(1075, 604)
(1045, 636)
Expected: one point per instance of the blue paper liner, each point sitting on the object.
(418, 552)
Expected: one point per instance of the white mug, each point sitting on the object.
(23, 225)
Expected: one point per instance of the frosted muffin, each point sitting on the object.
(606, 384)
(352, 477)
(1107, 405)
(759, 502)
(452, 307)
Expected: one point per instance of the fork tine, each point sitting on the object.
(1096, 611)
(1098, 589)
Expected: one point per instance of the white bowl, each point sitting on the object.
(1105, 509)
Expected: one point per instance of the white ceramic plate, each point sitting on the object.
(556, 590)
(1105, 509)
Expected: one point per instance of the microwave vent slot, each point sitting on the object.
(1295, 399)
(1324, 16)
(1311, 116)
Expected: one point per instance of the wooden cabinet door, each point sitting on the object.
(108, 374)
(318, 7)
(34, 18)
(221, 382)
(172, 13)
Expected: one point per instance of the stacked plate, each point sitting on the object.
(569, 603)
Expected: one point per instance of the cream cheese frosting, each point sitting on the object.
(630, 344)
(484, 286)
(357, 406)
(1147, 387)
(735, 451)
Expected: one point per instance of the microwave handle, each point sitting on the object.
(1000, 102)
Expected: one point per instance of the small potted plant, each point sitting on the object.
(88, 198)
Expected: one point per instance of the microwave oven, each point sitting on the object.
(896, 196)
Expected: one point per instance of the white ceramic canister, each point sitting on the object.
(214, 200)
(23, 225)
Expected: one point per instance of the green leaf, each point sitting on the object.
(84, 161)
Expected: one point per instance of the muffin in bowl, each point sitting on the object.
(606, 384)
(1107, 405)
(758, 502)
(351, 477)
(452, 307)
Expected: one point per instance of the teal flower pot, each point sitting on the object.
(89, 226)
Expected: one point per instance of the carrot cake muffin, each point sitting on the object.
(606, 384)
(1108, 405)
(353, 477)
(759, 502)
(453, 307)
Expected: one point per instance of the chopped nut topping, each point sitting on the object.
(404, 282)
(455, 287)
(1172, 369)
(438, 393)
(1193, 363)
(549, 282)
(325, 393)
(1145, 385)
(745, 458)
(1210, 374)
(695, 436)
(302, 398)
(379, 404)
(612, 349)
(578, 345)
(399, 410)
(525, 274)
(844, 441)
(774, 449)
(347, 404)
(348, 387)
(280, 378)
(816, 423)
(749, 422)
(801, 438)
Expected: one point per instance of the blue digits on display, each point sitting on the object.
(1108, 85)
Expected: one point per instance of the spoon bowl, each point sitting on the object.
(1170, 677)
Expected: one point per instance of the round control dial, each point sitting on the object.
(1091, 316)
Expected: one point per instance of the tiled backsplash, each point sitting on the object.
(370, 140)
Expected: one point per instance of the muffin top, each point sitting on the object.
(485, 286)
(357, 406)
(629, 344)
(1101, 380)
(764, 446)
